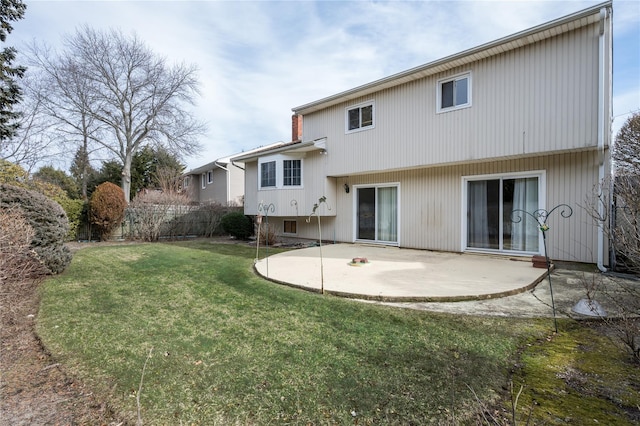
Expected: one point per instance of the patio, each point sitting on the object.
(401, 275)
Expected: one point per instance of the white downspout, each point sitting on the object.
(602, 129)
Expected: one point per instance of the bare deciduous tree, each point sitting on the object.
(32, 141)
(168, 179)
(625, 227)
(626, 151)
(620, 195)
(128, 96)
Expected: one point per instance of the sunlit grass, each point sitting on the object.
(229, 347)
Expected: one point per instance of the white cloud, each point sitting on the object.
(259, 59)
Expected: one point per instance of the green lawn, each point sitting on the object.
(232, 348)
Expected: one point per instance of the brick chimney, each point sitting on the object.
(296, 128)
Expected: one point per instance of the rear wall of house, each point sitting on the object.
(431, 203)
(530, 101)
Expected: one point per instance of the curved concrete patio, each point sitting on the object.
(401, 275)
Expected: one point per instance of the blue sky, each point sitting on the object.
(259, 59)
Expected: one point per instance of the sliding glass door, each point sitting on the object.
(377, 214)
(492, 206)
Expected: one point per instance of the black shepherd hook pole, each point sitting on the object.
(541, 216)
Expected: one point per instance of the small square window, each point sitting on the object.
(360, 117)
(290, 227)
(454, 93)
(268, 174)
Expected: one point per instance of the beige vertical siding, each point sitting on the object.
(291, 202)
(431, 202)
(307, 230)
(236, 184)
(217, 190)
(537, 99)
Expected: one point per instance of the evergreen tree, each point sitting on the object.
(10, 92)
(58, 177)
(82, 171)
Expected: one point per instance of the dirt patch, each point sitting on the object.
(34, 388)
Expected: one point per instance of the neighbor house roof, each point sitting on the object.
(550, 29)
(222, 161)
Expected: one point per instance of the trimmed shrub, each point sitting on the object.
(73, 209)
(49, 223)
(107, 207)
(237, 225)
(14, 175)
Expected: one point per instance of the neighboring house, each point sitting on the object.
(221, 181)
(437, 157)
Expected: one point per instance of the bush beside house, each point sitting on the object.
(237, 225)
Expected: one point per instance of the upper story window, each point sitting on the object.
(268, 174)
(360, 117)
(292, 172)
(454, 92)
(210, 176)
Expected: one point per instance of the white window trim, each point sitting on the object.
(260, 163)
(542, 196)
(360, 105)
(355, 213)
(210, 176)
(441, 81)
(279, 160)
(203, 181)
(301, 172)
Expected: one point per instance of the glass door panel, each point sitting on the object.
(377, 214)
(387, 217)
(490, 223)
(483, 214)
(366, 214)
(520, 231)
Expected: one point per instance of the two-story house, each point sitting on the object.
(219, 181)
(439, 156)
